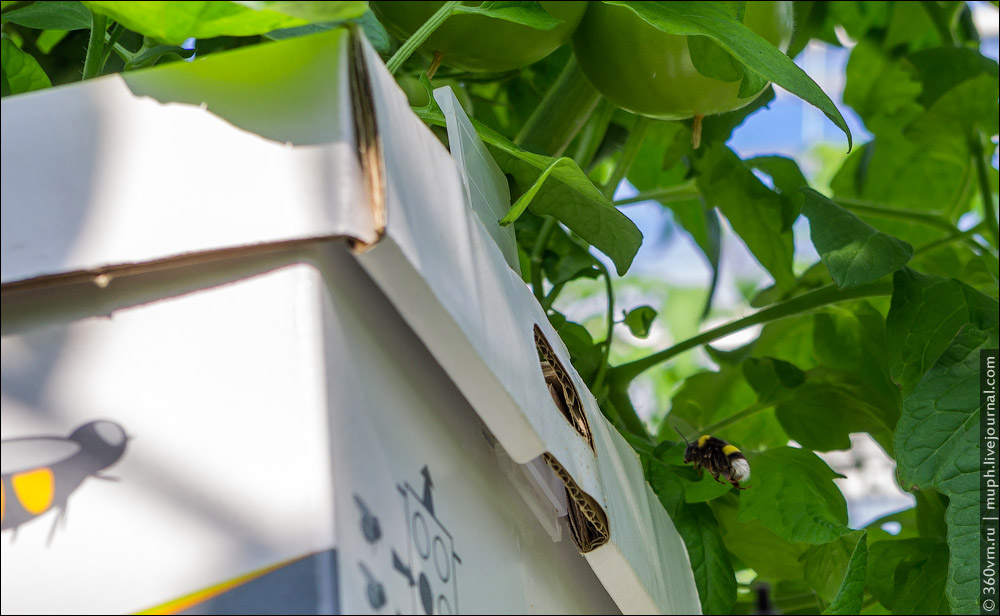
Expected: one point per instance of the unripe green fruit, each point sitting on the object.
(478, 43)
(649, 72)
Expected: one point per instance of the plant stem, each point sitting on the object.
(417, 38)
(623, 374)
(95, 48)
(552, 295)
(606, 351)
(563, 111)
(627, 415)
(736, 417)
(110, 41)
(940, 22)
(593, 134)
(878, 209)
(985, 191)
(629, 153)
(958, 235)
(537, 251)
(678, 192)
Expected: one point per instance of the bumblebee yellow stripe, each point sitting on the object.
(703, 438)
(729, 450)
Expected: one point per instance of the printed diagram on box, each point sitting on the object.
(428, 563)
(41, 472)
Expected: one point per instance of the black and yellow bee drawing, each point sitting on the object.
(719, 457)
(41, 472)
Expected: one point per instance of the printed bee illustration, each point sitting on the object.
(40, 473)
(719, 457)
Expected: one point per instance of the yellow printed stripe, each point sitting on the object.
(704, 437)
(35, 489)
(188, 601)
(729, 450)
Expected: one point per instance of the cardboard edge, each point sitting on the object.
(367, 138)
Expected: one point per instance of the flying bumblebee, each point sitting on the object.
(719, 457)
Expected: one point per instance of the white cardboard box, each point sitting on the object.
(289, 296)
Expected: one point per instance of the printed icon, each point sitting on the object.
(431, 566)
(40, 473)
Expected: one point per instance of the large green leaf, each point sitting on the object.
(851, 593)
(758, 57)
(755, 212)
(852, 390)
(21, 72)
(713, 571)
(566, 193)
(175, 22)
(792, 493)
(825, 566)
(926, 314)
(53, 15)
(880, 89)
(854, 252)
(937, 446)
(897, 562)
(769, 555)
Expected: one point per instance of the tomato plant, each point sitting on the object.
(874, 325)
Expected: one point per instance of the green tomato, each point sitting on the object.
(646, 71)
(478, 43)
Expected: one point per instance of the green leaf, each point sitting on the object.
(851, 593)
(772, 379)
(530, 14)
(54, 15)
(526, 197)
(943, 68)
(937, 446)
(567, 195)
(713, 571)
(883, 91)
(175, 22)
(756, 54)
(754, 211)
(310, 11)
(895, 563)
(853, 251)
(926, 314)
(825, 566)
(851, 390)
(639, 320)
(584, 354)
(21, 72)
(793, 495)
(713, 61)
(788, 183)
(769, 555)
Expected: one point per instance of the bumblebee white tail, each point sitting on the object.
(741, 469)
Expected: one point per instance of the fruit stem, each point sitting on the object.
(561, 114)
(417, 38)
(696, 132)
(435, 63)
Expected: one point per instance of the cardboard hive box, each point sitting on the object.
(265, 350)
